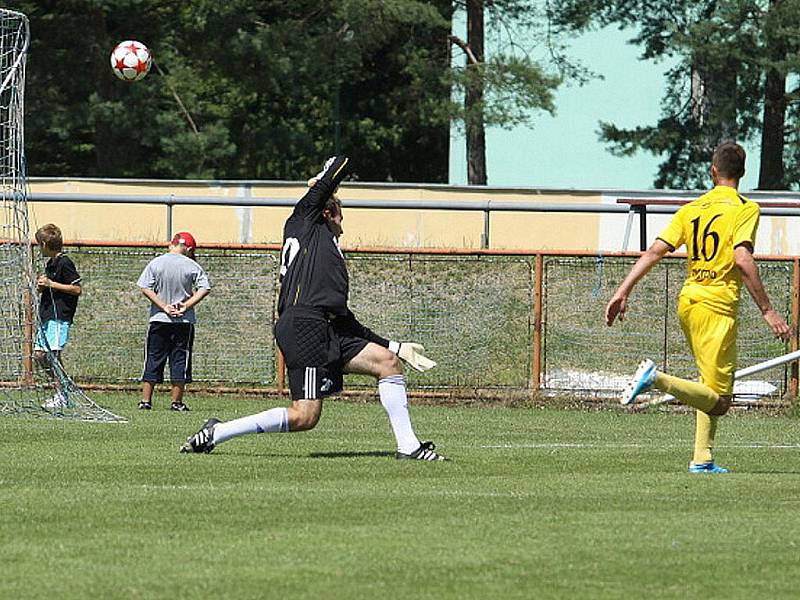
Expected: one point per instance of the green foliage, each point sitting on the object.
(264, 84)
(515, 88)
(258, 78)
(527, 62)
(725, 46)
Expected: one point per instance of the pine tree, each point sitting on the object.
(732, 61)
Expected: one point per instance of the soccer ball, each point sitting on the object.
(131, 60)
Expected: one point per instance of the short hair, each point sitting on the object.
(50, 237)
(333, 205)
(729, 158)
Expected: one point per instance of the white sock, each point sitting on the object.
(274, 420)
(392, 391)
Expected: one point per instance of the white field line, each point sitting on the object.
(623, 446)
(305, 490)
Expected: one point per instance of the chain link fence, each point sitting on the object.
(582, 354)
(475, 314)
(233, 337)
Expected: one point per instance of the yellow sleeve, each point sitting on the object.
(746, 224)
(673, 233)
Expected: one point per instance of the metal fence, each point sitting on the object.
(637, 205)
(503, 322)
(582, 353)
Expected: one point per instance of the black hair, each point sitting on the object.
(334, 206)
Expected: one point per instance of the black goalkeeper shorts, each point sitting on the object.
(316, 348)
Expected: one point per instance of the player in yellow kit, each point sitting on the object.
(719, 232)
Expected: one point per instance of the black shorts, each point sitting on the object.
(171, 341)
(316, 348)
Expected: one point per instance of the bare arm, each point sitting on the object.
(615, 309)
(743, 256)
(198, 295)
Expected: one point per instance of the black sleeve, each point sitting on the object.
(310, 206)
(67, 273)
(365, 332)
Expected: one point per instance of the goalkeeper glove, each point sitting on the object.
(313, 181)
(413, 355)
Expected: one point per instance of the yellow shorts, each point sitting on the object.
(712, 340)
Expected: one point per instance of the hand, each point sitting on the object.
(778, 325)
(173, 310)
(414, 356)
(313, 181)
(615, 309)
(42, 282)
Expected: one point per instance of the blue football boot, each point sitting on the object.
(642, 381)
(707, 467)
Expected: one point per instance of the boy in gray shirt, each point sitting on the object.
(174, 283)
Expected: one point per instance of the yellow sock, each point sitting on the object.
(695, 394)
(704, 437)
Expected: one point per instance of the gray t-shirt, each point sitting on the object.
(174, 277)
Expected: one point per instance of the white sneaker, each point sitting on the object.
(641, 382)
(57, 401)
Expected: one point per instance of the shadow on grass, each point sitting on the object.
(374, 454)
(350, 454)
(768, 472)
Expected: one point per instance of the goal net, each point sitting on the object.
(31, 381)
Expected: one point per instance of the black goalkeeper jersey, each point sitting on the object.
(313, 270)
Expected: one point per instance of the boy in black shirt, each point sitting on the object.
(59, 287)
(319, 337)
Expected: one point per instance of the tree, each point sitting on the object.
(732, 61)
(473, 97)
(509, 88)
(392, 97)
(258, 78)
(268, 88)
(779, 24)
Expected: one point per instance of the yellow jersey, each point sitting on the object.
(711, 227)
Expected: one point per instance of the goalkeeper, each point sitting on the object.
(320, 337)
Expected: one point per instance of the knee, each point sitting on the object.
(303, 423)
(390, 364)
(722, 406)
(303, 420)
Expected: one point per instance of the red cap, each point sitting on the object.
(185, 238)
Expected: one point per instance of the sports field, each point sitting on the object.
(536, 503)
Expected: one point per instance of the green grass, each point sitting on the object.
(537, 503)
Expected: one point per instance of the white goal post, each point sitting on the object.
(32, 383)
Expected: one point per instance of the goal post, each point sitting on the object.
(31, 382)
